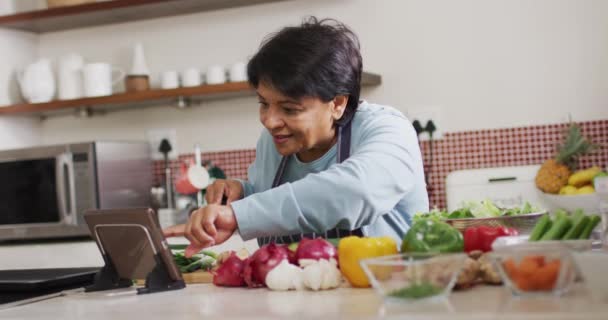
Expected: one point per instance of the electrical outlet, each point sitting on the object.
(155, 136)
(423, 115)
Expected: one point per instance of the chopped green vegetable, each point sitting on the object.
(578, 226)
(416, 291)
(593, 222)
(541, 227)
(564, 226)
(205, 261)
(210, 254)
(560, 226)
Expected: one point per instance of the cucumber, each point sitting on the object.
(560, 227)
(577, 228)
(543, 224)
(593, 222)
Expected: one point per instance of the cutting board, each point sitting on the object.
(505, 186)
(198, 276)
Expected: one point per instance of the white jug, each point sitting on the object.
(37, 82)
(69, 76)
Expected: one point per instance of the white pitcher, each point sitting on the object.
(37, 82)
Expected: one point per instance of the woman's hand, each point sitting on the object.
(232, 189)
(206, 227)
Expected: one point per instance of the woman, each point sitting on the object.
(327, 164)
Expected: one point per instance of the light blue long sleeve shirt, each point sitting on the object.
(378, 188)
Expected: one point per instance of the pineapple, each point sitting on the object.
(554, 173)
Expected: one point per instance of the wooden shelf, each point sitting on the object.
(154, 97)
(108, 12)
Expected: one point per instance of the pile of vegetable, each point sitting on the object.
(309, 264)
(478, 209)
(204, 260)
(313, 265)
(564, 226)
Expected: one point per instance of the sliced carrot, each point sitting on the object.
(547, 275)
(555, 264)
(528, 267)
(524, 283)
(536, 259)
(533, 273)
(510, 268)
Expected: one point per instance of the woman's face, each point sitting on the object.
(304, 126)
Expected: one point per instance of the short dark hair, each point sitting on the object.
(318, 59)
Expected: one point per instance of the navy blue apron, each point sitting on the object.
(344, 134)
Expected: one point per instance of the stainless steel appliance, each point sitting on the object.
(44, 191)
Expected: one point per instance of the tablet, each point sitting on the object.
(131, 239)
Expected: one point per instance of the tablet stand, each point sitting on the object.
(108, 278)
(158, 279)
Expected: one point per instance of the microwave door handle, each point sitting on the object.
(66, 189)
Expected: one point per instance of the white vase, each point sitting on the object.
(139, 66)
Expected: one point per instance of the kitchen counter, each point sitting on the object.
(206, 301)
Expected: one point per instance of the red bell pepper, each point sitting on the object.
(481, 238)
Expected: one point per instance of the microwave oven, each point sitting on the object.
(44, 191)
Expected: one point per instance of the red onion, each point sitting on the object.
(230, 272)
(316, 249)
(261, 262)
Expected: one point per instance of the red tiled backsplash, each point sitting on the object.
(455, 151)
(234, 163)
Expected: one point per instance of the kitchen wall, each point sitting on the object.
(472, 64)
(16, 49)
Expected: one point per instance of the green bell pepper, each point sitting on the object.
(432, 236)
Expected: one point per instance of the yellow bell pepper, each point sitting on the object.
(353, 249)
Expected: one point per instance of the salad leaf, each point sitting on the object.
(434, 214)
(526, 208)
(483, 209)
(477, 209)
(460, 214)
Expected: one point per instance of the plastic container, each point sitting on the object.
(601, 189)
(593, 266)
(519, 241)
(414, 276)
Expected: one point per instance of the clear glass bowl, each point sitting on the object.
(414, 276)
(535, 271)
